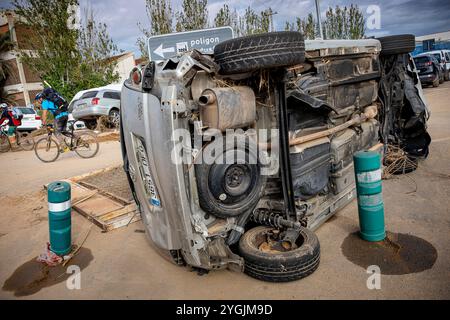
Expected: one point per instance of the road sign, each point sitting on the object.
(168, 45)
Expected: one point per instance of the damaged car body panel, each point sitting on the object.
(339, 100)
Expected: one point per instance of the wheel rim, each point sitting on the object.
(26, 141)
(115, 119)
(269, 241)
(47, 150)
(86, 146)
(4, 143)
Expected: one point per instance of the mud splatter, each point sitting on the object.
(396, 255)
(33, 276)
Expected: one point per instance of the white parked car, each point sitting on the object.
(31, 120)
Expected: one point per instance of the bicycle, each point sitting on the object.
(85, 144)
(23, 139)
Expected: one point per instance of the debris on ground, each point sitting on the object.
(49, 257)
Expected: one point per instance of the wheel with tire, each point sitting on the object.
(260, 51)
(436, 81)
(268, 259)
(25, 141)
(398, 44)
(5, 144)
(114, 118)
(441, 78)
(47, 149)
(86, 144)
(447, 75)
(230, 182)
(91, 124)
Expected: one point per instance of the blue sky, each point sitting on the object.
(397, 16)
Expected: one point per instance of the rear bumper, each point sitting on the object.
(427, 77)
(91, 112)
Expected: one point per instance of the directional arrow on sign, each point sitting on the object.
(160, 51)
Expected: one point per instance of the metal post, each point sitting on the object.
(59, 217)
(319, 21)
(370, 199)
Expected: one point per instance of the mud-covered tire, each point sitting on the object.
(398, 44)
(260, 51)
(281, 266)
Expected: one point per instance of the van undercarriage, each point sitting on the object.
(289, 114)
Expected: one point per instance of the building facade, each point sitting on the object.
(21, 84)
(435, 41)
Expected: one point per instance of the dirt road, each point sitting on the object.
(23, 172)
(122, 265)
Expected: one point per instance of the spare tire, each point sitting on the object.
(279, 266)
(260, 51)
(398, 44)
(228, 189)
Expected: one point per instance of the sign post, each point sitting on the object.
(168, 45)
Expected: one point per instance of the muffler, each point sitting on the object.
(227, 108)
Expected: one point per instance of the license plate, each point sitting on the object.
(82, 106)
(146, 176)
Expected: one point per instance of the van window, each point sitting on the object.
(27, 110)
(437, 56)
(111, 95)
(421, 59)
(89, 94)
(447, 56)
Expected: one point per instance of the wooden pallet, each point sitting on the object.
(105, 210)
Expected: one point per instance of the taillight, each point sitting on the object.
(429, 63)
(136, 76)
(37, 117)
(95, 101)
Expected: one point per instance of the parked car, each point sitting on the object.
(93, 103)
(429, 69)
(293, 113)
(31, 120)
(447, 63)
(77, 125)
(443, 60)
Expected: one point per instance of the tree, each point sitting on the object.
(69, 59)
(254, 23)
(193, 16)
(5, 45)
(160, 15)
(344, 23)
(95, 48)
(307, 26)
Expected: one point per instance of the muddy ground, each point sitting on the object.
(122, 265)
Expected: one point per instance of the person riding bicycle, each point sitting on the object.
(51, 101)
(14, 117)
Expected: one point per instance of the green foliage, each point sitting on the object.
(5, 45)
(160, 14)
(340, 23)
(344, 23)
(68, 59)
(250, 23)
(193, 16)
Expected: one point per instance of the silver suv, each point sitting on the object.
(234, 159)
(95, 103)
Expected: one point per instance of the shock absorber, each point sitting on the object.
(273, 219)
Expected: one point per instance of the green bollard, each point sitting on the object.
(370, 199)
(59, 218)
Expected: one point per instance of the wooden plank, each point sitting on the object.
(106, 193)
(99, 205)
